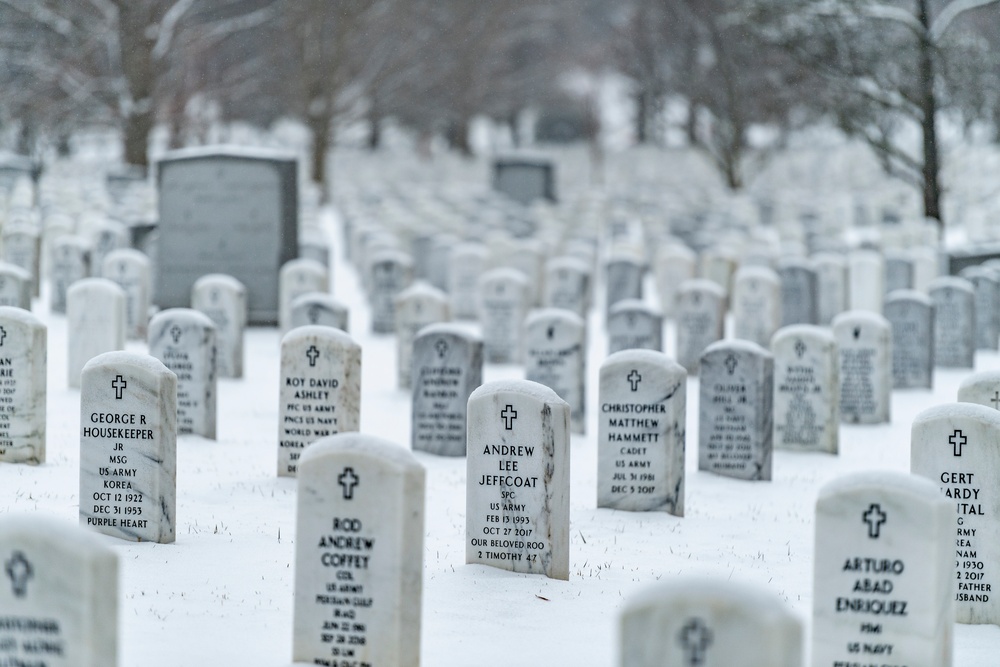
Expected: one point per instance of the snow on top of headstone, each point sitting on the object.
(453, 329)
(504, 273)
(220, 278)
(757, 272)
(303, 262)
(828, 257)
(677, 250)
(562, 314)
(19, 315)
(310, 330)
(126, 253)
(421, 288)
(389, 255)
(701, 285)
(952, 282)
(792, 262)
(534, 390)
(736, 344)
(882, 479)
(971, 272)
(360, 444)
(184, 314)
(908, 295)
(634, 304)
(794, 330)
(644, 356)
(85, 283)
(229, 151)
(120, 357)
(984, 377)
(67, 534)
(720, 594)
(568, 262)
(980, 413)
(856, 316)
(325, 298)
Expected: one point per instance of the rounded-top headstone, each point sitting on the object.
(911, 316)
(359, 552)
(59, 595)
(806, 389)
(864, 343)
(708, 623)
(23, 368)
(982, 388)
(518, 477)
(184, 340)
(223, 299)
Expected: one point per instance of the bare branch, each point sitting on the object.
(168, 26)
(955, 9)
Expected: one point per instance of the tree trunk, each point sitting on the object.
(136, 44)
(458, 136)
(641, 116)
(374, 128)
(928, 122)
(320, 127)
(691, 123)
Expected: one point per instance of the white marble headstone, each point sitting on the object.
(298, 277)
(319, 390)
(128, 447)
(831, 282)
(954, 322)
(447, 368)
(359, 551)
(911, 317)
(184, 340)
(320, 308)
(982, 388)
(735, 410)
(632, 325)
(416, 307)
(131, 270)
(799, 291)
(503, 305)
(58, 595)
(700, 314)
(15, 286)
(69, 263)
(95, 322)
(674, 264)
(517, 497)
(882, 584)
(23, 365)
(955, 446)
(756, 304)
(468, 262)
(22, 247)
(864, 343)
(567, 285)
(223, 299)
(641, 432)
(555, 355)
(986, 283)
(866, 271)
(708, 623)
(390, 272)
(624, 276)
(806, 389)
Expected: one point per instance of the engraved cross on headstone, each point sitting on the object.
(995, 400)
(509, 414)
(874, 517)
(800, 348)
(348, 480)
(3, 335)
(958, 439)
(695, 639)
(19, 570)
(634, 379)
(119, 385)
(313, 314)
(731, 364)
(175, 333)
(312, 354)
(442, 348)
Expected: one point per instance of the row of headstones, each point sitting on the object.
(882, 561)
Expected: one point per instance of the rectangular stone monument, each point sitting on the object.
(128, 447)
(226, 210)
(525, 178)
(624, 279)
(359, 552)
(95, 322)
(184, 340)
(567, 285)
(58, 595)
(955, 446)
(390, 273)
(130, 270)
(831, 290)
(298, 277)
(674, 264)
(23, 366)
(864, 344)
(882, 585)
(319, 390)
(799, 292)
(911, 317)
(806, 389)
(735, 410)
(641, 433)
(986, 283)
(708, 623)
(447, 368)
(223, 299)
(866, 272)
(517, 497)
(555, 343)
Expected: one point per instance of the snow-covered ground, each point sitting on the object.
(222, 594)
